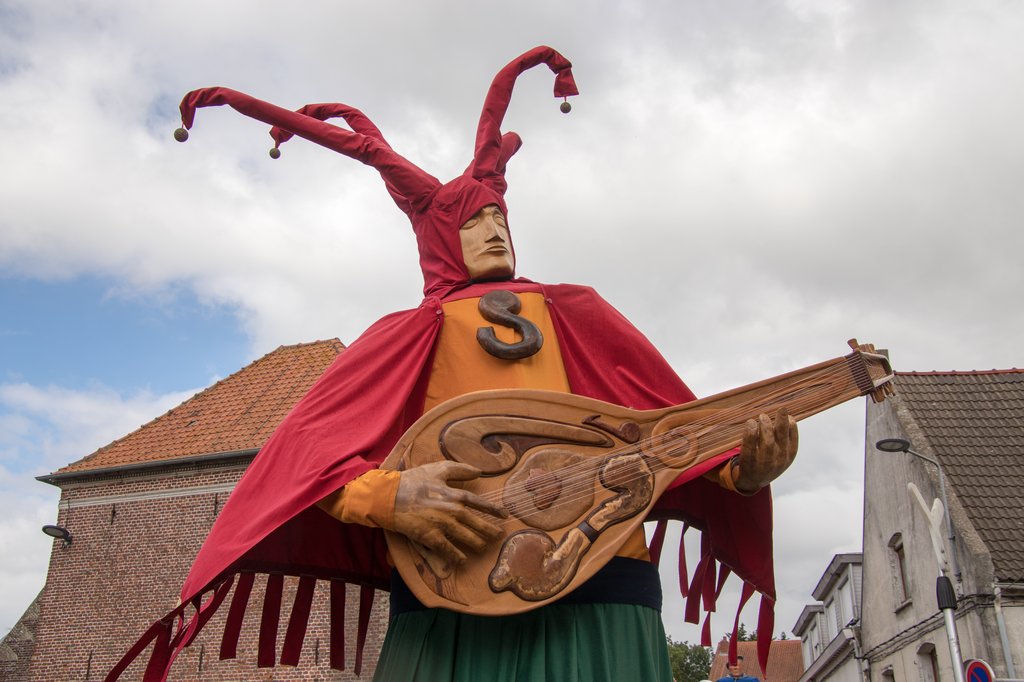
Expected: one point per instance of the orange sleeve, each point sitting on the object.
(723, 476)
(368, 500)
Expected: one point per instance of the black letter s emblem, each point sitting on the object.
(502, 307)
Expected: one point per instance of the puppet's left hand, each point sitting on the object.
(769, 447)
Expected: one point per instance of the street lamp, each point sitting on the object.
(944, 592)
(902, 445)
(58, 533)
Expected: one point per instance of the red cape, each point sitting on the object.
(349, 421)
(351, 418)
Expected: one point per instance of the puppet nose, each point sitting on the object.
(492, 231)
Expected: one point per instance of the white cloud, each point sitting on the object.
(24, 550)
(58, 425)
(751, 183)
(41, 430)
(814, 155)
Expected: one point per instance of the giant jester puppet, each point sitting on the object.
(337, 495)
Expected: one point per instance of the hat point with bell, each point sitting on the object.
(435, 209)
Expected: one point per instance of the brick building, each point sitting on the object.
(785, 663)
(139, 509)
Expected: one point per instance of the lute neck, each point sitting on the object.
(708, 427)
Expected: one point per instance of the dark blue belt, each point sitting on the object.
(621, 581)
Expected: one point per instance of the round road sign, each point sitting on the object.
(977, 670)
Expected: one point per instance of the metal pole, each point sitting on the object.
(946, 597)
(954, 564)
(944, 592)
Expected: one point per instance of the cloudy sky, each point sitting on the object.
(750, 182)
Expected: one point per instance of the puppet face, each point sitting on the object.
(486, 248)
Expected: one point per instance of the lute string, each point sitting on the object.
(577, 480)
(724, 435)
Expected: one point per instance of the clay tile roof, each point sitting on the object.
(973, 423)
(785, 660)
(235, 414)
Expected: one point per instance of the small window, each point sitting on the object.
(814, 636)
(847, 613)
(831, 620)
(841, 617)
(898, 558)
(805, 645)
(927, 663)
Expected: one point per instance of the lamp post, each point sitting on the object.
(944, 592)
(59, 533)
(901, 445)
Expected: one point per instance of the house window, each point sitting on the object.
(814, 636)
(898, 558)
(831, 620)
(846, 611)
(841, 616)
(901, 565)
(808, 656)
(927, 663)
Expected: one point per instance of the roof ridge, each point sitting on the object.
(962, 372)
(335, 341)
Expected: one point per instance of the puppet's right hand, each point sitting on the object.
(440, 517)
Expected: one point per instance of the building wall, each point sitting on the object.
(897, 634)
(847, 671)
(896, 618)
(17, 645)
(857, 579)
(134, 539)
(839, 606)
(912, 663)
(1013, 615)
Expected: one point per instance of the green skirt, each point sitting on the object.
(567, 643)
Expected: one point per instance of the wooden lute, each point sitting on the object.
(578, 475)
